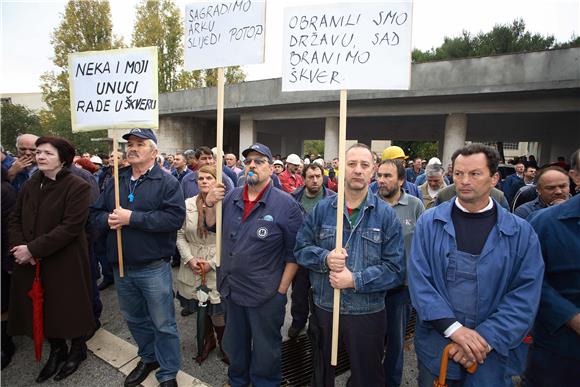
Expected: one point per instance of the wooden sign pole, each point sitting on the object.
(339, 218)
(219, 165)
(117, 203)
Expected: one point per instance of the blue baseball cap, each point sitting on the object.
(141, 133)
(261, 149)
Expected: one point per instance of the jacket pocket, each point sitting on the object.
(372, 245)
(327, 238)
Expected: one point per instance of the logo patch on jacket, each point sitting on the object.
(262, 232)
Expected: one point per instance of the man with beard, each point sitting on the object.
(308, 196)
(371, 262)
(390, 178)
(257, 268)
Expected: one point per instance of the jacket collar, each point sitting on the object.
(370, 201)
(155, 173)
(570, 209)
(239, 195)
(505, 221)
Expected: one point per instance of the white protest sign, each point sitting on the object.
(224, 33)
(114, 89)
(348, 46)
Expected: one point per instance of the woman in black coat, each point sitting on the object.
(48, 227)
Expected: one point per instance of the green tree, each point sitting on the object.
(422, 149)
(17, 119)
(159, 23)
(314, 147)
(85, 26)
(503, 38)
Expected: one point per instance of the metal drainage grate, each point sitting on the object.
(297, 357)
(297, 361)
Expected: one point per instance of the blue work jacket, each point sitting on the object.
(558, 228)
(376, 255)
(507, 276)
(158, 212)
(255, 251)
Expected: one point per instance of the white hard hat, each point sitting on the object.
(319, 162)
(293, 159)
(96, 160)
(434, 160)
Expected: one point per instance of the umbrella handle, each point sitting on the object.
(37, 274)
(202, 271)
(444, 363)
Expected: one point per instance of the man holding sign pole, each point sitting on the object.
(372, 261)
(152, 210)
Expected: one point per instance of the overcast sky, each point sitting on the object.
(26, 51)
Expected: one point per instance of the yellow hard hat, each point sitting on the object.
(394, 152)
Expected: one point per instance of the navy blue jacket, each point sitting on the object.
(255, 251)
(158, 212)
(558, 229)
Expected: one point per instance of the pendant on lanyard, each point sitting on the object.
(131, 195)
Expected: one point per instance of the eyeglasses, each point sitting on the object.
(258, 161)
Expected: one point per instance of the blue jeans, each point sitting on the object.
(398, 308)
(253, 342)
(146, 301)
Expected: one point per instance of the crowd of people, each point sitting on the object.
(489, 260)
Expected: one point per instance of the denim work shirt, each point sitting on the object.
(255, 251)
(374, 245)
(507, 275)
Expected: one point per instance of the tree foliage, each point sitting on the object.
(503, 38)
(159, 23)
(422, 149)
(17, 119)
(85, 26)
(314, 147)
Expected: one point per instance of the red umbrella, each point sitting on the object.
(36, 293)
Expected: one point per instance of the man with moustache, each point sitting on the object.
(390, 179)
(371, 262)
(257, 268)
(552, 186)
(151, 211)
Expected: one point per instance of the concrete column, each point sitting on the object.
(454, 137)
(330, 138)
(248, 134)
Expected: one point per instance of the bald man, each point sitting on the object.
(25, 165)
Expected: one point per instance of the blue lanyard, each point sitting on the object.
(132, 189)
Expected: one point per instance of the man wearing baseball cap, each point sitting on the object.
(152, 210)
(257, 267)
(290, 178)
